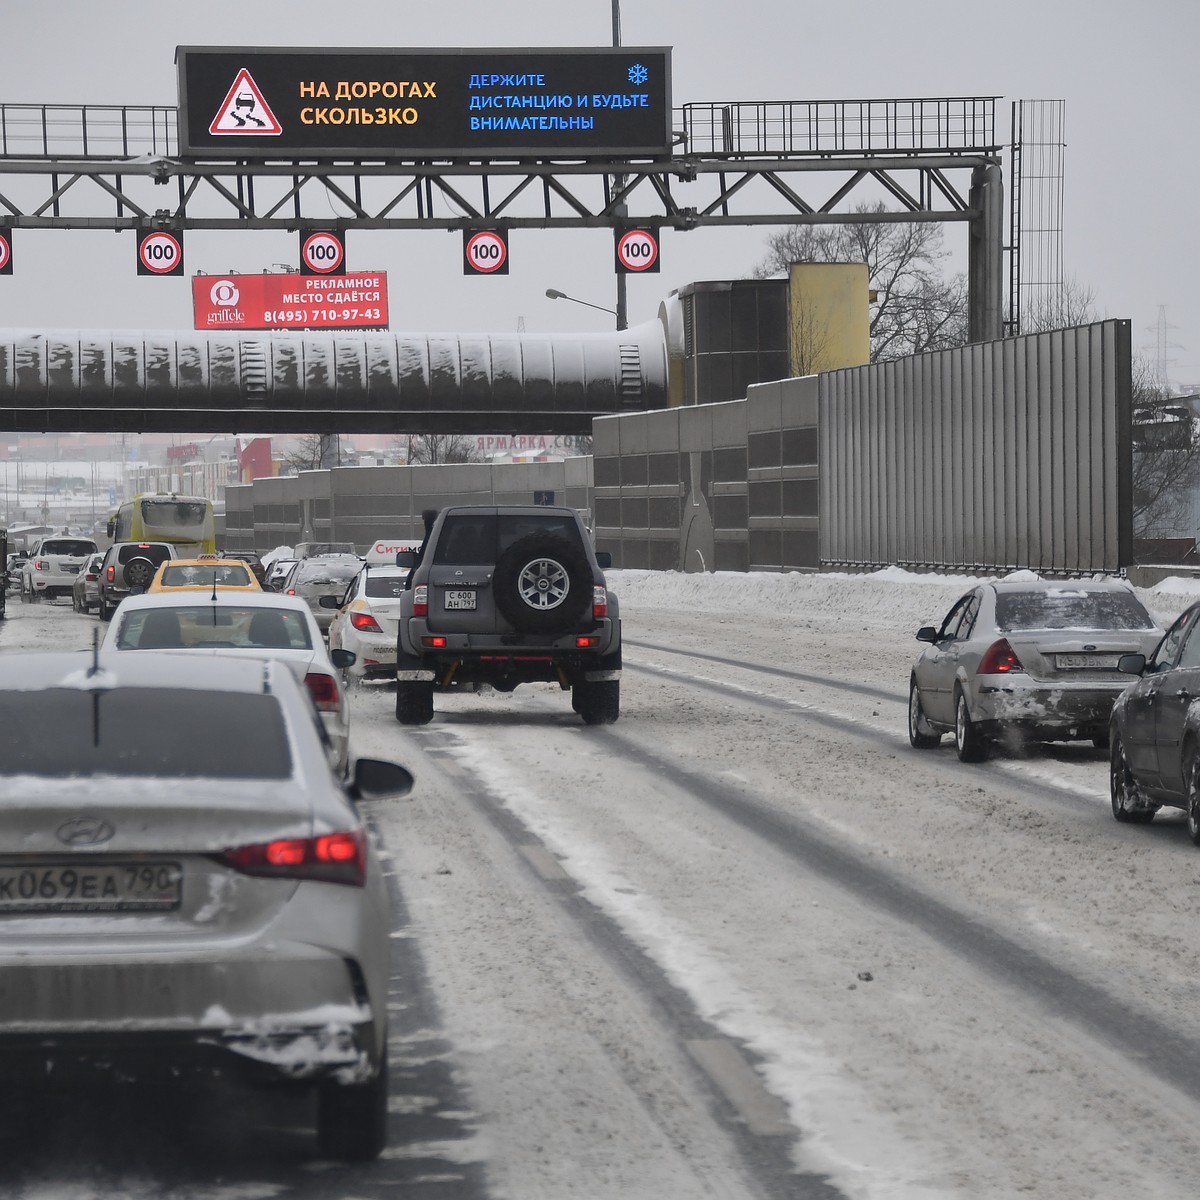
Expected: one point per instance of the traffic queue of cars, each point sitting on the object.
(217, 900)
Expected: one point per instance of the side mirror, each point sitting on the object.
(603, 559)
(330, 602)
(342, 658)
(1131, 664)
(406, 558)
(376, 778)
(927, 633)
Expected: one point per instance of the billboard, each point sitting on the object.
(357, 301)
(398, 104)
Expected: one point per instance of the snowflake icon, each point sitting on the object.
(638, 74)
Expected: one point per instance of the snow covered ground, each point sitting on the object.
(748, 943)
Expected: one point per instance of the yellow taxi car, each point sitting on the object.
(202, 574)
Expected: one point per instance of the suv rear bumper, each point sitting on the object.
(510, 657)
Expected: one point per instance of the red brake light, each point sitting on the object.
(291, 591)
(111, 572)
(324, 690)
(599, 602)
(364, 621)
(421, 601)
(999, 659)
(333, 858)
(41, 565)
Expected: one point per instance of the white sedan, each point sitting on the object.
(367, 620)
(241, 623)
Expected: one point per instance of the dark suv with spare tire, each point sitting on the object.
(127, 569)
(506, 595)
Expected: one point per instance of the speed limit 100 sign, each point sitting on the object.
(160, 253)
(322, 251)
(637, 252)
(485, 253)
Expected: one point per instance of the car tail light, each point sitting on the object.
(584, 643)
(90, 578)
(324, 690)
(599, 602)
(365, 622)
(999, 659)
(332, 858)
(41, 565)
(421, 601)
(436, 643)
(111, 573)
(291, 591)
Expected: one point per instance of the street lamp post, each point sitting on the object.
(555, 294)
(620, 210)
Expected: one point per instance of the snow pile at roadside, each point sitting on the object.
(891, 599)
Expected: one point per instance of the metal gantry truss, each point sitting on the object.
(772, 163)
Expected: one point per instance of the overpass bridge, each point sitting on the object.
(83, 381)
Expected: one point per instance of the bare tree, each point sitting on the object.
(314, 451)
(1166, 458)
(1060, 308)
(441, 448)
(917, 307)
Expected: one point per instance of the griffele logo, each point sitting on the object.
(224, 293)
(85, 831)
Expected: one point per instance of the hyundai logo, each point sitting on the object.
(85, 831)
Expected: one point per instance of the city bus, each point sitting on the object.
(184, 521)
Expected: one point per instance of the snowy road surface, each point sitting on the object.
(746, 942)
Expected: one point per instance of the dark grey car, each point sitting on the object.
(326, 575)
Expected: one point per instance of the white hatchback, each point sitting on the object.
(259, 624)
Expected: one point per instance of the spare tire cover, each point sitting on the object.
(543, 584)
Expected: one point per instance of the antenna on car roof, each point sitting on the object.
(214, 595)
(94, 669)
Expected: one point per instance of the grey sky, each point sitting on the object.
(1126, 74)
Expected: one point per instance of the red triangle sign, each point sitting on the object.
(245, 111)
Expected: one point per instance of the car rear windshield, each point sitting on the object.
(155, 553)
(320, 570)
(472, 538)
(68, 546)
(385, 585)
(193, 575)
(157, 732)
(212, 627)
(1070, 608)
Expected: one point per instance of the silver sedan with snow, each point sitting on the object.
(186, 885)
(367, 620)
(1026, 660)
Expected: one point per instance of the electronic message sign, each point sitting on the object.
(291, 301)
(401, 104)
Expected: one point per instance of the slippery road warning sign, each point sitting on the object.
(160, 253)
(245, 111)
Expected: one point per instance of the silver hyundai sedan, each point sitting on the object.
(185, 882)
(1025, 660)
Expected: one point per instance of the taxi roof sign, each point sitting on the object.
(383, 553)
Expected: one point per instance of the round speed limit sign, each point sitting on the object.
(160, 254)
(321, 252)
(486, 253)
(5, 254)
(637, 250)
